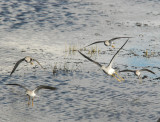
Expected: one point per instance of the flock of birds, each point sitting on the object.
(106, 69)
(109, 70)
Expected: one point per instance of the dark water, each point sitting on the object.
(49, 30)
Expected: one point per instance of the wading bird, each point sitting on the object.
(107, 42)
(33, 93)
(108, 70)
(26, 59)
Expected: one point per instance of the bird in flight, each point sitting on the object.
(26, 59)
(108, 70)
(107, 42)
(137, 72)
(33, 93)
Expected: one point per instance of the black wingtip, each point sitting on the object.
(79, 51)
(55, 88)
(153, 72)
(11, 74)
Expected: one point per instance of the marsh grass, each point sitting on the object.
(149, 53)
(72, 49)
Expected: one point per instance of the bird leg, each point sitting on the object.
(116, 77)
(139, 77)
(32, 102)
(28, 100)
(119, 76)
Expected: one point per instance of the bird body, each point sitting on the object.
(28, 59)
(31, 93)
(108, 70)
(107, 43)
(137, 72)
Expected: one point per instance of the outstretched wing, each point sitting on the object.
(127, 70)
(16, 65)
(95, 43)
(117, 53)
(147, 70)
(44, 87)
(18, 85)
(90, 59)
(117, 38)
(37, 62)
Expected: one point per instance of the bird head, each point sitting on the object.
(28, 59)
(27, 93)
(137, 73)
(107, 43)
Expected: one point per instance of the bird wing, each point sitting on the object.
(117, 53)
(18, 85)
(16, 65)
(37, 62)
(117, 38)
(127, 70)
(94, 43)
(147, 70)
(44, 87)
(90, 59)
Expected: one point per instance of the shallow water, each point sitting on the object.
(47, 30)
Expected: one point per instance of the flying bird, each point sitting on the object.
(33, 93)
(137, 72)
(107, 42)
(108, 70)
(26, 59)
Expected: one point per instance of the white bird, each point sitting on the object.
(32, 93)
(108, 70)
(107, 42)
(137, 72)
(26, 59)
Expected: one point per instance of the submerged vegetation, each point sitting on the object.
(69, 66)
(66, 67)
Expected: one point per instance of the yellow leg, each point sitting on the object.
(116, 77)
(32, 102)
(119, 76)
(28, 100)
